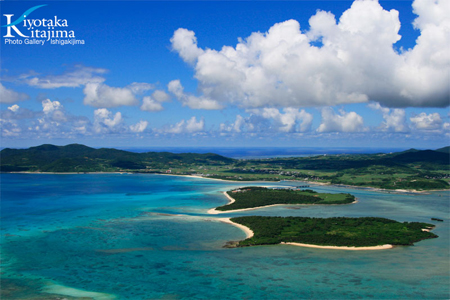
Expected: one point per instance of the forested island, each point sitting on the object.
(254, 197)
(410, 170)
(339, 231)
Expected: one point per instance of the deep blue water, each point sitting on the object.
(136, 236)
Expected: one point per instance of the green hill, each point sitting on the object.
(411, 169)
(423, 156)
(444, 150)
(80, 158)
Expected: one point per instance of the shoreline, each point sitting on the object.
(375, 189)
(381, 247)
(213, 211)
(247, 230)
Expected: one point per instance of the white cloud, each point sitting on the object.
(105, 121)
(192, 101)
(192, 125)
(270, 120)
(446, 128)
(423, 121)
(14, 108)
(153, 102)
(80, 76)
(356, 63)
(9, 128)
(189, 126)
(177, 128)
(49, 106)
(139, 127)
(53, 112)
(289, 121)
(102, 95)
(10, 96)
(140, 87)
(342, 122)
(185, 43)
(149, 104)
(394, 119)
(241, 124)
(160, 96)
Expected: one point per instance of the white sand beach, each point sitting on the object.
(213, 211)
(381, 247)
(247, 230)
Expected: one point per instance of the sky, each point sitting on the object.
(223, 74)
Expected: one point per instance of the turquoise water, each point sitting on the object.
(123, 236)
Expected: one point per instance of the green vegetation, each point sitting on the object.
(351, 232)
(250, 197)
(80, 158)
(412, 169)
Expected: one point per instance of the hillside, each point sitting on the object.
(444, 150)
(411, 169)
(80, 158)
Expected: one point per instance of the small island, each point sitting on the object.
(367, 233)
(252, 197)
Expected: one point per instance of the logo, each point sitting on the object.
(25, 30)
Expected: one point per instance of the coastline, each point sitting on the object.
(249, 233)
(247, 230)
(375, 189)
(400, 191)
(213, 211)
(381, 247)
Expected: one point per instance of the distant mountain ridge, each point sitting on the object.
(81, 158)
(433, 156)
(444, 149)
(412, 169)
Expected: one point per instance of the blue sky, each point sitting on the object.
(295, 73)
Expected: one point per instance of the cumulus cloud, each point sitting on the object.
(394, 119)
(154, 102)
(106, 122)
(139, 127)
(102, 95)
(425, 121)
(292, 120)
(53, 110)
(185, 43)
(356, 63)
(289, 120)
(14, 108)
(10, 96)
(189, 126)
(53, 121)
(242, 124)
(341, 122)
(80, 76)
(192, 101)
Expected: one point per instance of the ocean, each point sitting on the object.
(143, 236)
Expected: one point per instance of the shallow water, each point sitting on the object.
(107, 236)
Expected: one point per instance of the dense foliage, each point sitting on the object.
(355, 232)
(250, 197)
(80, 158)
(411, 169)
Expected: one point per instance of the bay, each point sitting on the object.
(135, 236)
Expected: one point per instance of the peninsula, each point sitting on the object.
(365, 233)
(253, 197)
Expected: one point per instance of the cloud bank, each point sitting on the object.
(355, 63)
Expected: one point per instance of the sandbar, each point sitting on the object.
(247, 230)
